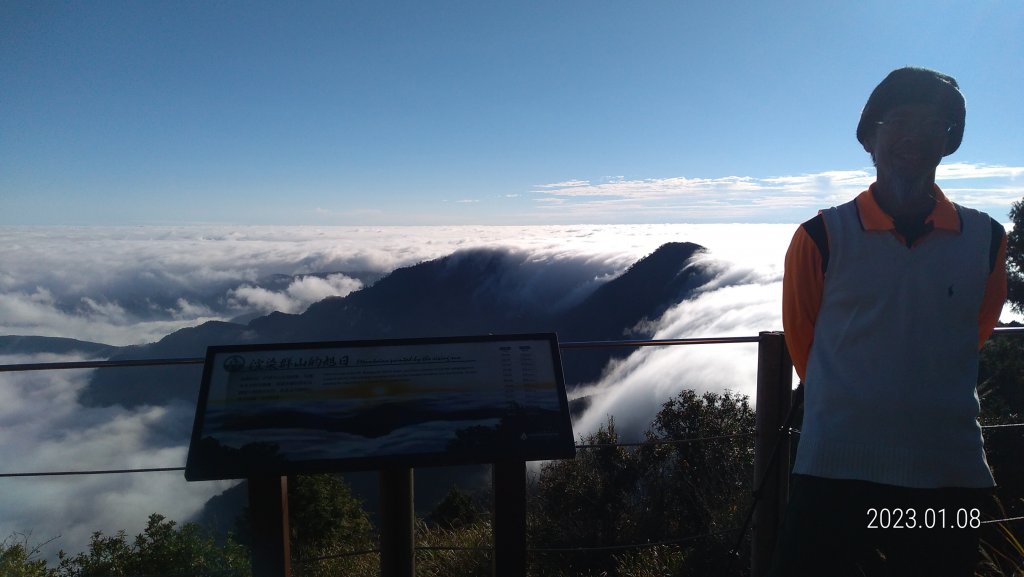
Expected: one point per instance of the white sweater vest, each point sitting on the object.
(891, 381)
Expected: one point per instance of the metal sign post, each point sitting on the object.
(397, 531)
(268, 516)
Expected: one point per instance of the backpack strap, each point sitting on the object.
(815, 228)
(998, 232)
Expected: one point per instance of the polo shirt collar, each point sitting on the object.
(944, 215)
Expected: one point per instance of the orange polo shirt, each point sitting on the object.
(804, 279)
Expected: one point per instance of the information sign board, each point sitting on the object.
(367, 405)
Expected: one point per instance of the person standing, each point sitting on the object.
(887, 300)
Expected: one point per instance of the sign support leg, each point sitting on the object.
(509, 479)
(268, 515)
(397, 537)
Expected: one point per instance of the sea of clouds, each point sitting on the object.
(134, 285)
(124, 286)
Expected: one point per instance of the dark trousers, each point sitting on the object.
(840, 528)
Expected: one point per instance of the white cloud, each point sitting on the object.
(301, 293)
(964, 170)
(565, 184)
(38, 314)
(311, 289)
(43, 428)
(111, 312)
(190, 311)
(741, 302)
(263, 300)
(744, 198)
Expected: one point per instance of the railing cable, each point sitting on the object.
(666, 441)
(97, 364)
(93, 472)
(543, 550)
(631, 546)
(1006, 520)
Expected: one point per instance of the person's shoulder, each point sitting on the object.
(996, 231)
(979, 215)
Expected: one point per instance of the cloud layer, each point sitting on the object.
(43, 428)
(134, 285)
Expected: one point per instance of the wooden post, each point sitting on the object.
(397, 536)
(268, 515)
(771, 456)
(509, 479)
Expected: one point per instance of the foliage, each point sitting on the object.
(162, 548)
(586, 502)
(457, 509)
(699, 486)
(334, 559)
(656, 561)
(1001, 389)
(463, 551)
(1001, 380)
(1002, 549)
(322, 511)
(323, 515)
(20, 559)
(327, 524)
(1015, 257)
(700, 459)
(690, 478)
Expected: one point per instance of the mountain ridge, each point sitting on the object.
(32, 344)
(468, 292)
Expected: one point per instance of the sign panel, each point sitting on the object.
(366, 405)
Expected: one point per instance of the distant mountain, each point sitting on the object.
(468, 292)
(465, 293)
(31, 345)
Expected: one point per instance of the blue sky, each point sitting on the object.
(350, 113)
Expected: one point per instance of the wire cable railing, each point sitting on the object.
(541, 550)
(631, 344)
(104, 364)
(182, 468)
(567, 345)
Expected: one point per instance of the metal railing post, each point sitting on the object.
(771, 454)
